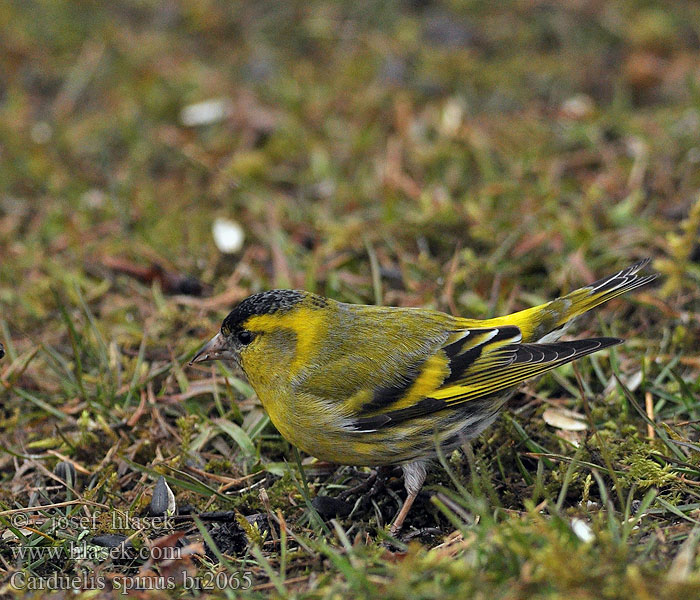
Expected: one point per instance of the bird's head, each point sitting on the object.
(267, 331)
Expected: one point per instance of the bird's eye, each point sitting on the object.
(245, 337)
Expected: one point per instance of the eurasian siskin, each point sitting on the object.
(373, 385)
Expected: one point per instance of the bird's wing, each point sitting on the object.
(473, 363)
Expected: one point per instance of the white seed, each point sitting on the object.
(582, 530)
(228, 236)
(205, 113)
(562, 418)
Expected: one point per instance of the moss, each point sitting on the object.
(678, 267)
(219, 466)
(187, 426)
(645, 472)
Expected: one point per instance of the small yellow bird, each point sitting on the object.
(373, 385)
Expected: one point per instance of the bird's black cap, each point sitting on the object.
(263, 303)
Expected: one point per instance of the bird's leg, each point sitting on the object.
(365, 485)
(414, 476)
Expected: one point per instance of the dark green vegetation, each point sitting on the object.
(470, 156)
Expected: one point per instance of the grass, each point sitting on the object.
(472, 157)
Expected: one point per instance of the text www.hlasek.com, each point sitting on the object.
(84, 551)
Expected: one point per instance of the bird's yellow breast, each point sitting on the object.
(315, 367)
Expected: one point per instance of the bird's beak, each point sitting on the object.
(215, 349)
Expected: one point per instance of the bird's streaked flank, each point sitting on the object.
(373, 385)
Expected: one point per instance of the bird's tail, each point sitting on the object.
(548, 321)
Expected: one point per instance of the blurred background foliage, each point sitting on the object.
(523, 138)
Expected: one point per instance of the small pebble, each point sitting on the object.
(329, 507)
